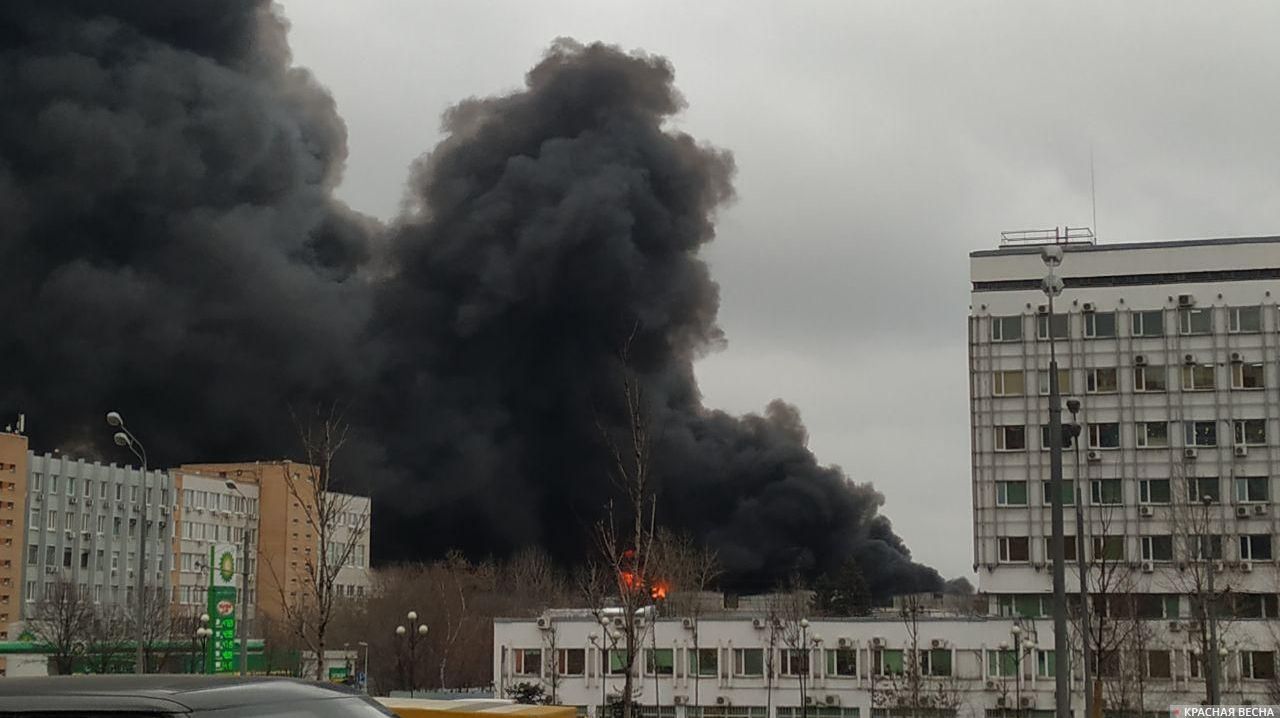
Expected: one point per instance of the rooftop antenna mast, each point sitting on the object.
(1093, 192)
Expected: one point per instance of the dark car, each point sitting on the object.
(156, 696)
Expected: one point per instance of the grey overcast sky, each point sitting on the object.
(877, 143)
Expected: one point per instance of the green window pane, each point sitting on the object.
(1027, 606)
(939, 662)
(617, 661)
(891, 660)
(1172, 608)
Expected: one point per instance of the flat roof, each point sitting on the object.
(1158, 244)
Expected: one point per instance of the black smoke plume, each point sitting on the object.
(173, 249)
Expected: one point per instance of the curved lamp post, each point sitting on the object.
(413, 634)
(125, 438)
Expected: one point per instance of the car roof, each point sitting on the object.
(156, 693)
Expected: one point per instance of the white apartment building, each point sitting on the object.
(1172, 350)
(82, 526)
(211, 512)
(353, 527)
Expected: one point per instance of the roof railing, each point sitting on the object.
(1056, 235)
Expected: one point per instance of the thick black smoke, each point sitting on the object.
(173, 250)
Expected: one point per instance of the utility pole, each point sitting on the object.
(1210, 608)
(1073, 405)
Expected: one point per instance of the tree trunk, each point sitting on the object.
(320, 656)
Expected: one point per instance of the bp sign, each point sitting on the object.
(221, 653)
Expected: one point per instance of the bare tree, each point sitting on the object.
(626, 537)
(689, 569)
(110, 638)
(786, 610)
(310, 612)
(926, 685)
(62, 619)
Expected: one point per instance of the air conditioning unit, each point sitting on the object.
(617, 622)
(72, 501)
(844, 643)
(832, 700)
(722, 700)
(1094, 455)
(1086, 307)
(50, 569)
(1001, 702)
(1189, 453)
(1042, 309)
(877, 642)
(1236, 358)
(70, 534)
(810, 700)
(85, 535)
(757, 623)
(1174, 627)
(1146, 511)
(991, 686)
(1027, 702)
(935, 643)
(679, 700)
(1139, 360)
(687, 623)
(1246, 566)
(1148, 567)
(639, 623)
(164, 510)
(1186, 300)
(1038, 565)
(88, 502)
(1189, 359)
(544, 623)
(1242, 450)
(1242, 512)
(1260, 510)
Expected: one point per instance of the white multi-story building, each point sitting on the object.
(1170, 353)
(82, 526)
(211, 511)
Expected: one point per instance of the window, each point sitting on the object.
(1014, 549)
(1068, 547)
(528, 661)
(1153, 491)
(1066, 437)
(1108, 548)
(50, 555)
(88, 488)
(571, 661)
(53, 484)
(1002, 663)
(1255, 547)
(748, 662)
(36, 480)
(1247, 375)
(1157, 548)
(1101, 380)
(842, 662)
(1044, 664)
(659, 661)
(1100, 325)
(1203, 547)
(1006, 329)
(84, 558)
(1104, 435)
(794, 662)
(1258, 665)
(704, 662)
(935, 662)
(1068, 493)
(102, 489)
(1159, 664)
(1203, 486)
(1011, 493)
(69, 524)
(1148, 324)
(1152, 434)
(119, 492)
(1250, 432)
(888, 662)
(1150, 379)
(1195, 321)
(1244, 320)
(1104, 492)
(1064, 381)
(66, 558)
(1252, 489)
(115, 560)
(1008, 383)
(1197, 377)
(1022, 605)
(1201, 433)
(1060, 330)
(33, 554)
(84, 522)
(133, 494)
(71, 486)
(1011, 438)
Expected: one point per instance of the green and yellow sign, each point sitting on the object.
(222, 650)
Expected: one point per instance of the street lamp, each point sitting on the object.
(364, 678)
(1052, 286)
(244, 583)
(125, 438)
(1211, 608)
(203, 632)
(1073, 406)
(804, 648)
(412, 635)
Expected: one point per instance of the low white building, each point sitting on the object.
(739, 665)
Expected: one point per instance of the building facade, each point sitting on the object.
(83, 520)
(1169, 352)
(211, 512)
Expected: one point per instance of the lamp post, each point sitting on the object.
(125, 438)
(1211, 610)
(364, 680)
(1073, 406)
(414, 633)
(203, 632)
(604, 642)
(244, 583)
(1052, 286)
(804, 653)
